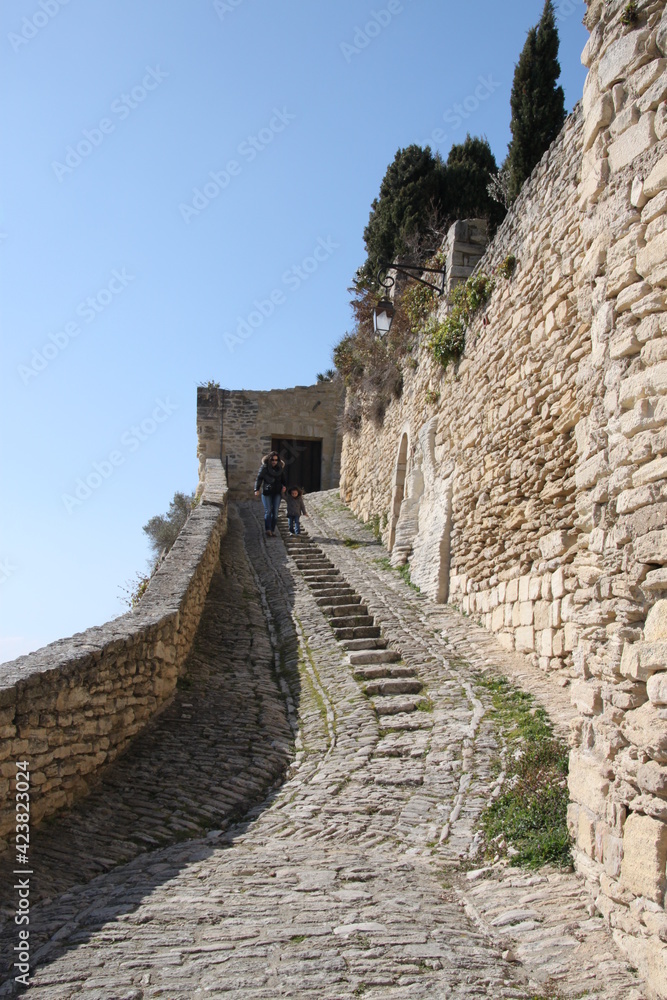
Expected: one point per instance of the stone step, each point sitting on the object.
(383, 670)
(392, 685)
(375, 656)
(360, 632)
(345, 610)
(407, 721)
(395, 705)
(313, 564)
(352, 621)
(331, 590)
(330, 601)
(365, 643)
(320, 574)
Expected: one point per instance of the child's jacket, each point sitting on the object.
(295, 505)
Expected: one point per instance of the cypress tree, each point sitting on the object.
(538, 104)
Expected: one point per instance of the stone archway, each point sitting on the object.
(398, 491)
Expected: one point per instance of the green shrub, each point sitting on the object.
(530, 815)
(447, 339)
(508, 267)
(630, 14)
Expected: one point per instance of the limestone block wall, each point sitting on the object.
(529, 484)
(237, 425)
(472, 471)
(70, 708)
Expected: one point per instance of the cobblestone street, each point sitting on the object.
(301, 820)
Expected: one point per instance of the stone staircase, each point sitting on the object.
(393, 688)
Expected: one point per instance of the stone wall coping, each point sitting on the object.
(215, 483)
(160, 606)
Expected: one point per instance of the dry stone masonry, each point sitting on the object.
(72, 707)
(528, 485)
(346, 880)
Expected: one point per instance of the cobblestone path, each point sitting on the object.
(346, 878)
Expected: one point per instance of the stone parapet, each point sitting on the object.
(72, 707)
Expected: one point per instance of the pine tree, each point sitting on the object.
(538, 104)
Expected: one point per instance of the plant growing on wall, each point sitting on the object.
(447, 338)
(630, 14)
(507, 268)
(372, 368)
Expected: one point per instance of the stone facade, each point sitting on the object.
(70, 708)
(529, 484)
(237, 426)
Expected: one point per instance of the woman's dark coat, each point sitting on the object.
(270, 481)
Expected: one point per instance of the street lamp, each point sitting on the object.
(383, 313)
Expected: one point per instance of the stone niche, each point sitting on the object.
(240, 426)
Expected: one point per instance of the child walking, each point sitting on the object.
(295, 507)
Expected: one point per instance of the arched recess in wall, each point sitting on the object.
(398, 491)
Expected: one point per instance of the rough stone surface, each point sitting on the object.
(72, 707)
(528, 482)
(350, 878)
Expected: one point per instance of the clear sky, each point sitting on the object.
(168, 164)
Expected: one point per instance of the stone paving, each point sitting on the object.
(353, 876)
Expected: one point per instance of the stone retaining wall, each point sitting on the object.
(528, 485)
(70, 708)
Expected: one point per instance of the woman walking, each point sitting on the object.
(271, 483)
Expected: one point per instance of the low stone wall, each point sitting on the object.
(70, 708)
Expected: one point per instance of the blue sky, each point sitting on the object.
(168, 165)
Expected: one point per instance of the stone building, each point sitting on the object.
(528, 483)
(240, 426)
